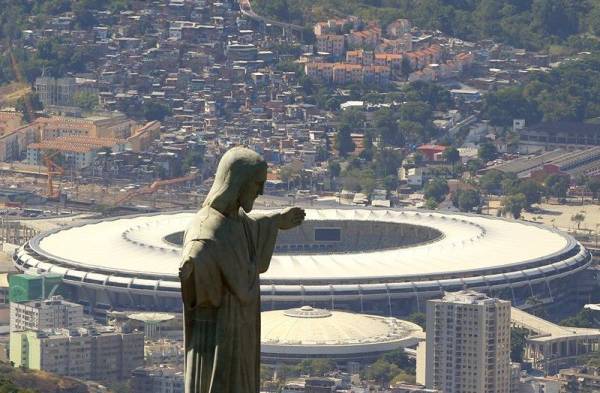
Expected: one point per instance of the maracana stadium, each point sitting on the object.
(378, 261)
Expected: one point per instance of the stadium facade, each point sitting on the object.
(378, 261)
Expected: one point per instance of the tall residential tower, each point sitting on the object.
(468, 344)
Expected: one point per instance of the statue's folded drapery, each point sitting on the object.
(222, 258)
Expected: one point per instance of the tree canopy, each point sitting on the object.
(154, 110)
(514, 204)
(531, 24)
(569, 92)
(436, 189)
(466, 200)
(487, 152)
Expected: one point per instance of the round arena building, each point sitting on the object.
(378, 261)
(309, 333)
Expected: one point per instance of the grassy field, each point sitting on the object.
(9, 94)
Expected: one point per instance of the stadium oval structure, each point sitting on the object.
(381, 261)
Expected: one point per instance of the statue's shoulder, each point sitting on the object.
(207, 224)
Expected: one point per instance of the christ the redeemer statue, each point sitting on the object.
(224, 251)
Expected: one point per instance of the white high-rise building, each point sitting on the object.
(53, 313)
(468, 344)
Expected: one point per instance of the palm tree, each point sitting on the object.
(578, 218)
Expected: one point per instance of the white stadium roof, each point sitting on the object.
(308, 330)
(469, 243)
(310, 326)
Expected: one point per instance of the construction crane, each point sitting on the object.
(53, 170)
(153, 187)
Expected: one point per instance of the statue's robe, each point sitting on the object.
(222, 258)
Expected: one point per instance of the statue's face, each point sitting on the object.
(253, 188)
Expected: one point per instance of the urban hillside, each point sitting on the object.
(530, 24)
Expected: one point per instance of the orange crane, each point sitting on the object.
(153, 187)
(53, 170)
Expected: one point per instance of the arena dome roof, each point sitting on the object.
(312, 331)
(310, 326)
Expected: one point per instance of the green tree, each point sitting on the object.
(334, 169)
(84, 17)
(514, 205)
(85, 100)
(350, 120)
(343, 142)
(382, 372)
(417, 111)
(154, 110)
(474, 165)
(487, 152)
(557, 185)
(451, 155)
(435, 95)
(491, 181)
(578, 218)
(290, 173)
(466, 200)
(532, 191)
(24, 104)
(359, 180)
(404, 377)
(308, 35)
(583, 319)
(510, 184)
(391, 183)
(419, 318)
(411, 132)
(594, 20)
(385, 123)
(399, 358)
(316, 367)
(593, 185)
(436, 189)
(431, 204)
(387, 162)
(518, 338)
(503, 106)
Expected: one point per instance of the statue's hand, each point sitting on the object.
(291, 217)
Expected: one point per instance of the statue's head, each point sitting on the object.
(239, 180)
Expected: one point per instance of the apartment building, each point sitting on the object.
(321, 71)
(331, 43)
(468, 344)
(364, 38)
(81, 353)
(419, 59)
(53, 313)
(392, 60)
(161, 379)
(345, 73)
(77, 151)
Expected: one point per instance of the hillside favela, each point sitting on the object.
(427, 210)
